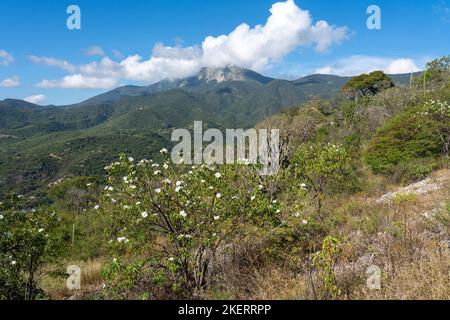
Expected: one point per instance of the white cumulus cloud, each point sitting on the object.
(36, 98)
(356, 65)
(10, 82)
(78, 81)
(287, 28)
(5, 58)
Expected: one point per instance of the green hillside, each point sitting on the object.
(40, 145)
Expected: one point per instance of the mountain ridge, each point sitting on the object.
(219, 75)
(204, 77)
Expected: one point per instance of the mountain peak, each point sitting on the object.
(230, 73)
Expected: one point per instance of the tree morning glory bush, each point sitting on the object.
(175, 218)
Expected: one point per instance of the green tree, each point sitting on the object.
(26, 245)
(437, 70)
(367, 85)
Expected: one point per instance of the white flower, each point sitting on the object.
(126, 207)
(158, 190)
(218, 175)
(155, 165)
(167, 181)
(142, 162)
(164, 151)
(171, 259)
(133, 187)
(156, 172)
(219, 195)
(166, 166)
(274, 201)
(278, 211)
(13, 262)
(113, 200)
(1, 217)
(144, 214)
(130, 159)
(178, 189)
(122, 239)
(41, 230)
(125, 179)
(260, 187)
(253, 198)
(305, 221)
(297, 215)
(179, 183)
(216, 218)
(183, 213)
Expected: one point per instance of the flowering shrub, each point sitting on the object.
(26, 244)
(181, 215)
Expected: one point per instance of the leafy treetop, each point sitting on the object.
(367, 84)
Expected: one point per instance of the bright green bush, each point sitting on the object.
(418, 133)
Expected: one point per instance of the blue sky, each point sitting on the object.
(140, 42)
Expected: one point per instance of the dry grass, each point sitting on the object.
(91, 280)
(274, 284)
(407, 238)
